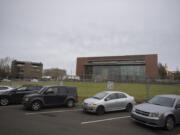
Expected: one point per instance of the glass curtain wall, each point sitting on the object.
(117, 73)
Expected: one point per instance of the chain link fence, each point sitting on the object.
(141, 90)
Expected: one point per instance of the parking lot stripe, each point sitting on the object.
(53, 112)
(89, 122)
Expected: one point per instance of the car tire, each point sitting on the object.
(4, 101)
(100, 110)
(36, 106)
(169, 124)
(70, 103)
(129, 107)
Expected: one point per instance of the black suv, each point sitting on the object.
(15, 95)
(51, 96)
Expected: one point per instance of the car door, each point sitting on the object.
(19, 93)
(111, 102)
(50, 96)
(122, 101)
(177, 112)
(62, 95)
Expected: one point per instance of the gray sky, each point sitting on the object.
(56, 32)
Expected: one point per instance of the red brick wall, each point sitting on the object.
(151, 63)
(80, 66)
(152, 66)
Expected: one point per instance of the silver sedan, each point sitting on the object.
(108, 101)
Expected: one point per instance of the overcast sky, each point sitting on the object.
(56, 32)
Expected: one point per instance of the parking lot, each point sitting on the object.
(60, 120)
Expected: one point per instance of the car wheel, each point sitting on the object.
(100, 110)
(70, 103)
(36, 106)
(129, 107)
(4, 101)
(169, 123)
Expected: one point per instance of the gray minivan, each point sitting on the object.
(160, 111)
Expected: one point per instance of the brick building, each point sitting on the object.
(26, 70)
(118, 68)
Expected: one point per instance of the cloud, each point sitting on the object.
(57, 32)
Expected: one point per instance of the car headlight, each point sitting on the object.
(26, 99)
(158, 115)
(94, 105)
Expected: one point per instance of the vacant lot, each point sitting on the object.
(87, 89)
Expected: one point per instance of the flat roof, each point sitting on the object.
(141, 55)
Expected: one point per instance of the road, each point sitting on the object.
(14, 120)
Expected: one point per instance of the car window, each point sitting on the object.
(53, 89)
(62, 90)
(22, 88)
(31, 88)
(112, 96)
(121, 95)
(162, 101)
(38, 87)
(100, 95)
(178, 102)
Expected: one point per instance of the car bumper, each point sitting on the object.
(149, 121)
(26, 104)
(89, 108)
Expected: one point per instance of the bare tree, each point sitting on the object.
(5, 67)
(55, 73)
(177, 75)
(162, 71)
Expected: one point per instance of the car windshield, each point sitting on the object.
(42, 90)
(100, 95)
(162, 101)
(21, 88)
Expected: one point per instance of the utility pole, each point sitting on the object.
(147, 88)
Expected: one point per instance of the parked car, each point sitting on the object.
(5, 89)
(34, 80)
(15, 95)
(51, 96)
(108, 101)
(6, 80)
(160, 111)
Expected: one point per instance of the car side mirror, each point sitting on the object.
(177, 106)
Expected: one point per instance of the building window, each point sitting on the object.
(117, 73)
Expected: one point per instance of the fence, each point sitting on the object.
(141, 91)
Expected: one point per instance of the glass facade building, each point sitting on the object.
(115, 72)
(118, 68)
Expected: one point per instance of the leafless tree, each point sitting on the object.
(55, 73)
(5, 67)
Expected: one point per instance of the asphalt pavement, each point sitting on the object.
(14, 120)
